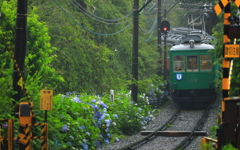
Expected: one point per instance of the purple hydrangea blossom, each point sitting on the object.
(117, 139)
(106, 141)
(84, 146)
(82, 127)
(76, 99)
(5, 126)
(65, 128)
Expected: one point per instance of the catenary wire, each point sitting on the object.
(147, 32)
(151, 8)
(87, 28)
(111, 23)
(103, 19)
(152, 31)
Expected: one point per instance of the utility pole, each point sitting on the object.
(135, 51)
(20, 51)
(159, 37)
(18, 74)
(165, 51)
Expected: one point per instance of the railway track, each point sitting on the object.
(198, 127)
(175, 122)
(152, 135)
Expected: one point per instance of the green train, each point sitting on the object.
(192, 72)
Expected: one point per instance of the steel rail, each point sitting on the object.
(198, 127)
(151, 136)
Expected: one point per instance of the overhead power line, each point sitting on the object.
(83, 10)
(103, 19)
(152, 26)
(152, 31)
(86, 27)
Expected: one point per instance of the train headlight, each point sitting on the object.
(191, 43)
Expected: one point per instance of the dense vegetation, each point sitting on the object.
(79, 45)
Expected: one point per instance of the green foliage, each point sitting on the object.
(58, 50)
(91, 121)
(38, 71)
(218, 42)
(228, 147)
(91, 62)
(6, 90)
(156, 91)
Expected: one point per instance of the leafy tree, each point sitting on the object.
(38, 72)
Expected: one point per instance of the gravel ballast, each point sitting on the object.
(167, 143)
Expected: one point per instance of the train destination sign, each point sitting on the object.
(231, 51)
(46, 100)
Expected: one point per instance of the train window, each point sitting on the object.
(206, 62)
(178, 63)
(192, 63)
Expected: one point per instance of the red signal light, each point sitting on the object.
(165, 27)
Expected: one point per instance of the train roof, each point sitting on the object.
(196, 47)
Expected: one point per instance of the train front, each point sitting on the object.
(192, 74)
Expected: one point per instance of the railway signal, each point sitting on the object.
(165, 27)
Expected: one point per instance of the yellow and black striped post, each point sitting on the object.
(230, 50)
(25, 128)
(226, 61)
(44, 132)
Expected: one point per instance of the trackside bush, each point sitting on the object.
(88, 122)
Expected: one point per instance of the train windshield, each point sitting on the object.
(192, 63)
(178, 63)
(206, 62)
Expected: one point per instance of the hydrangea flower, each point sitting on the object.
(68, 93)
(76, 99)
(107, 123)
(5, 126)
(106, 141)
(65, 128)
(117, 139)
(71, 137)
(84, 146)
(82, 127)
(97, 143)
(93, 101)
(85, 140)
(102, 117)
(95, 107)
(88, 134)
(104, 110)
(115, 116)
